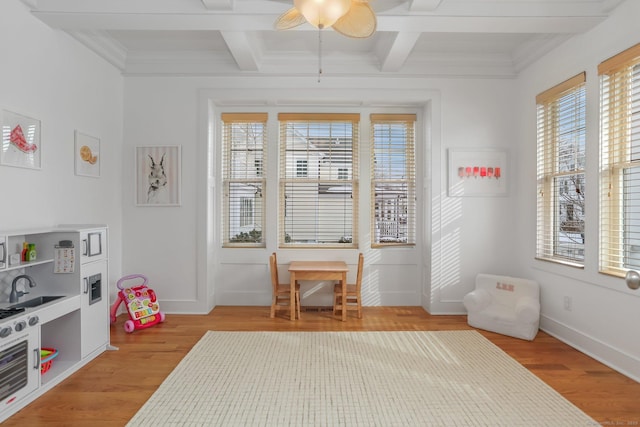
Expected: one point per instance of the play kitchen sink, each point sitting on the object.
(35, 302)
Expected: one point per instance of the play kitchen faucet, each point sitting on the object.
(16, 294)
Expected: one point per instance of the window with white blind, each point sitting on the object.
(393, 179)
(620, 162)
(561, 163)
(243, 178)
(318, 180)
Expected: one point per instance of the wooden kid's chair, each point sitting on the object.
(281, 298)
(354, 299)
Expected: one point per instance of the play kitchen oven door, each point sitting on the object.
(19, 366)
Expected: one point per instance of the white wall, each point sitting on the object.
(605, 314)
(471, 235)
(161, 242)
(47, 75)
(170, 243)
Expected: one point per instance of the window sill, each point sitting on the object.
(562, 262)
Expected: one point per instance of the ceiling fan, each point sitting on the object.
(351, 18)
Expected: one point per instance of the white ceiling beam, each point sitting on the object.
(243, 22)
(487, 24)
(157, 6)
(526, 7)
(443, 7)
(241, 49)
(399, 51)
(218, 4)
(121, 6)
(424, 5)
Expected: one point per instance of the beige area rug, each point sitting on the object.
(453, 378)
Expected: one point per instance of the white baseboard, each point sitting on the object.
(612, 357)
(183, 307)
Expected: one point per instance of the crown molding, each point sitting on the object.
(103, 45)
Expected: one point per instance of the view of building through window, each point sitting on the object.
(318, 179)
(243, 178)
(569, 186)
(393, 180)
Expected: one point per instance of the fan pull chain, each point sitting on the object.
(319, 53)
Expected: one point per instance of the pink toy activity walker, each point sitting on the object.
(141, 302)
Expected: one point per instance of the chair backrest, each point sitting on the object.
(273, 266)
(360, 268)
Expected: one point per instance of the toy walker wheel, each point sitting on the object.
(129, 326)
(162, 316)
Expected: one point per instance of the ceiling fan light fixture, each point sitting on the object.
(322, 13)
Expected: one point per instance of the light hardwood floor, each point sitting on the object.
(110, 389)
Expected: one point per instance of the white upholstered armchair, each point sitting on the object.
(506, 305)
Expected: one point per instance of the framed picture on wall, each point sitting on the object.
(158, 176)
(477, 172)
(21, 145)
(87, 155)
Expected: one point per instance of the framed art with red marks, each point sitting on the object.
(21, 143)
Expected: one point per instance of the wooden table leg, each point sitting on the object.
(344, 297)
(292, 301)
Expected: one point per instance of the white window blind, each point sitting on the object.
(561, 136)
(620, 162)
(393, 179)
(318, 180)
(243, 175)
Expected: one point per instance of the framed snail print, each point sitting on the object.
(87, 155)
(21, 145)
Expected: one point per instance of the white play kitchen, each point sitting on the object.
(54, 308)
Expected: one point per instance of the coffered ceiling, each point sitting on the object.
(479, 38)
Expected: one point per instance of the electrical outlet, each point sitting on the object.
(568, 303)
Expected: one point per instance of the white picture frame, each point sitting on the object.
(477, 172)
(21, 143)
(87, 155)
(158, 176)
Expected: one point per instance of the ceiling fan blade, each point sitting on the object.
(359, 22)
(290, 19)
